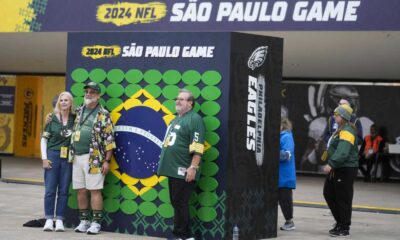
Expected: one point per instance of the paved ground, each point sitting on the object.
(22, 202)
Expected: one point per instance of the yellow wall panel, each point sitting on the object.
(27, 125)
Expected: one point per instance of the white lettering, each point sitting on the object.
(162, 51)
(251, 113)
(279, 11)
(300, 13)
(177, 12)
(351, 11)
(224, 10)
(132, 51)
(198, 51)
(193, 12)
(251, 11)
(320, 11)
(315, 12)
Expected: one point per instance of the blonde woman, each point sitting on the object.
(57, 170)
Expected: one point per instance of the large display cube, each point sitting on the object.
(236, 80)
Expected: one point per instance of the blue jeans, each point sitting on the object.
(56, 180)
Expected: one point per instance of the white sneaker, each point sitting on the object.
(83, 226)
(48, 226)
(288, 226)
(59, 225)
(94, 228)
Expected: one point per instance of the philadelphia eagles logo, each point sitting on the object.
(258, 57)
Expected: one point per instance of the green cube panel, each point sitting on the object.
(97, 75)
(129, 207)
(127, 193)
(79, 75)
(209, 169)
(170, 92)
(172, 77)
(152, 76)
(115, 75)
(191, 77)
(210, 93)
(206, 214)
(208, 199)
(210, 108)
(211, 77)
(134, 76)
(166, 210)
(111, 205)
(148, 208)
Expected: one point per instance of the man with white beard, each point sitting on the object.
(92, 143)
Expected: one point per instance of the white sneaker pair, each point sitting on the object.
(89, 228)
(49, 225)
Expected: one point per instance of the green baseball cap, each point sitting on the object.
(93, 86)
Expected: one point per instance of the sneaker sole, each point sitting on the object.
(288, 229)
(92, 233)
(60, 230)
(47, 230)
(339, 236)
(78, 231)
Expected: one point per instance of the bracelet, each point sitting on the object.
(194, 167)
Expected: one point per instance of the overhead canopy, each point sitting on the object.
(352, 55)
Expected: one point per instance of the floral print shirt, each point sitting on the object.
(102, 138)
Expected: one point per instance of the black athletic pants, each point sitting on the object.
(338, 193)
(286, 202)
(180, 191)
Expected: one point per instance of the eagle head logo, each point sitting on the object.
(258, 57)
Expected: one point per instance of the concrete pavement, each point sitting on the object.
(22, 202)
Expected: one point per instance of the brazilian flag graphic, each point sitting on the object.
(142, 104)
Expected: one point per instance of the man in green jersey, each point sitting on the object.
(180, 158)
(92, 143)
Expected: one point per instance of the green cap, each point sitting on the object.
(93, 86)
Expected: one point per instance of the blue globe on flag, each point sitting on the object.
(139, 133)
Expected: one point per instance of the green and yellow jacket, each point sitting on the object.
(343, 149)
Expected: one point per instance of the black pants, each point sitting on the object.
(286, 202)
(384, 159)
(180, 191)
(369, 162)
(338, 193)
